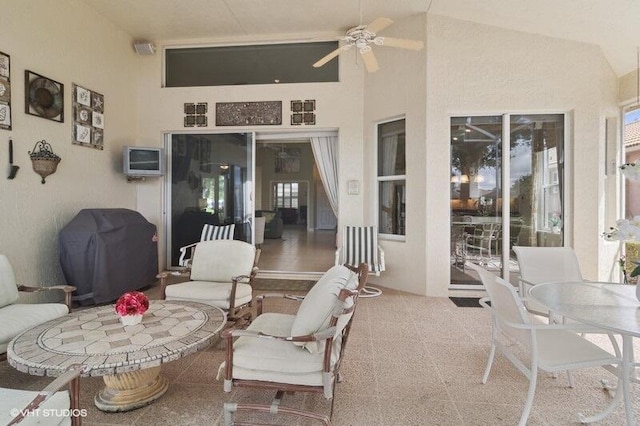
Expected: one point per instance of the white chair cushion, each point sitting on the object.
(275, 360)
(20, 317)
(315, 310)
(209, 292)
(8, 289)
(220, 260)
(11, 399)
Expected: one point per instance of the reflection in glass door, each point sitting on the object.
(483, 230)
(210, 183)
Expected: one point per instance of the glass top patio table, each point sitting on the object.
(612, 307)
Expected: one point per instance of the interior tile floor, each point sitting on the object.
(410, 360)
(299, 250)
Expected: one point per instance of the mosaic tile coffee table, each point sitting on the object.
(129, 357)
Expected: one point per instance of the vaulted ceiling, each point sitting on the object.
(614, 25)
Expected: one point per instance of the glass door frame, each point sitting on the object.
(566, 196)
(166, 204)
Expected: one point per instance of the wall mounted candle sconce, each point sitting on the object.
(43, 160)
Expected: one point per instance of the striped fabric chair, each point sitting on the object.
(360, 245)
(209, 232)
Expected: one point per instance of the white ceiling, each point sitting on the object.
(612, 24)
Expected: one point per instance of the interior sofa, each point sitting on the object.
(273, 223)
(289, 215)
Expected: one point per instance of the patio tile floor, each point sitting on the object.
(423, 367)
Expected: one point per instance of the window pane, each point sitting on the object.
(476, 196)
(392, 195)
(537, 146)
(257, 64)
(209, 177)
(391, 148)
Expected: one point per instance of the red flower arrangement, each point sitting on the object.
(132, 303)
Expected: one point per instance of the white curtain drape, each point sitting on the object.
(325, 151)
(389, 152)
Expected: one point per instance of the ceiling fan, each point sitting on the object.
(363, 36)
(279, 150)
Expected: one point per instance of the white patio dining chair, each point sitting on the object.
(543, 265)
(360, 245)
(550, 347)
(209, 232)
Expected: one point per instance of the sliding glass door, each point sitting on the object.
(487, 169)
(210, 182)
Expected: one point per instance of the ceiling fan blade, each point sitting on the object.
(402, 43)
(379, 24)
(369, 59)
(331, 55)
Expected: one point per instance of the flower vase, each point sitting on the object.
(131, 319)
(638, 291)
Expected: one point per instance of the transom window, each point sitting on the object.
(252, 64)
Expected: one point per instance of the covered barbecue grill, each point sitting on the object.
(107, 252)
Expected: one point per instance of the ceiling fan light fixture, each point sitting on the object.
(363, 36)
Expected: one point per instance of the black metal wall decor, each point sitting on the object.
(43, 97)
(303, 112)
(195, 114)
(5, 91)
(88, 117)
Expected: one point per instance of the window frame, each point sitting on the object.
(387, 178)
(274, 188)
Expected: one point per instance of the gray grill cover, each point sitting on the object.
(107, 252)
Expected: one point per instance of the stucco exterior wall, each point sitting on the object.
(338, 106)
(398, 90)
(477, 69)
(465, 69)
(628, 88)
(70, 44)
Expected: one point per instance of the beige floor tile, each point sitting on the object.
(418, 411)
(410, 360)
(474, 414)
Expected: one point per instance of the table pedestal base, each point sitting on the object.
(128, 391)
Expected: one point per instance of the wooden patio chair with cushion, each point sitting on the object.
(295, 353)
(209, 232)
(18, 317)
(222, 272)
(18, 406)
(550, 347)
